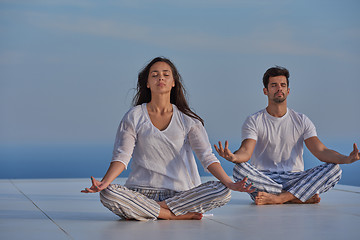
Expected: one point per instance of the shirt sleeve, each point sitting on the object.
(124, 141)
(249, 130)
(309, 128)
(200, 144)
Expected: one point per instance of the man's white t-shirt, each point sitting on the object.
(279, 141)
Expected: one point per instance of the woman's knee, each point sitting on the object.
(106, 199)
(221, 193)
(113, 198)
(129, 204)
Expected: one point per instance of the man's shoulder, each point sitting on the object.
(300, 115)
(255, 118)
(257, 114)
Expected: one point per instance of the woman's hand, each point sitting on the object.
(97, 186)
(241, 186)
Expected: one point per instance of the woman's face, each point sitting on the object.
(160, 79)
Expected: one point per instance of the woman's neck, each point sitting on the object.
(160, 104)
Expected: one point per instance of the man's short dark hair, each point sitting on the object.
(274, 72)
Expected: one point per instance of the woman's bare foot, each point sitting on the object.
(168, 215)
(188, 216)
(163, 204)
(165, 213)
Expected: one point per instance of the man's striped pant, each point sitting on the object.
(303, 185)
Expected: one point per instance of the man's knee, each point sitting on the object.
(237, 172)
(334, 169)
(240, 171)
(338, 168)
(337, 172)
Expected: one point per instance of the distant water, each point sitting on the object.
(82, 161)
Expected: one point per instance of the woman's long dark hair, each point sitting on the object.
(177, 95)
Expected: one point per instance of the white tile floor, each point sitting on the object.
(55, 209)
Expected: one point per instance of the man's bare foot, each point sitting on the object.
(264, 198)
(313, 200)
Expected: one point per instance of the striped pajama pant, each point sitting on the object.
(141, 203)
(303, 185)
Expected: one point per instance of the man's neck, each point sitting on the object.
(277, 110)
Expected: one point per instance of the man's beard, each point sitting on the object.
(279, 100)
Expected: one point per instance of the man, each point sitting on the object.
(273, 139)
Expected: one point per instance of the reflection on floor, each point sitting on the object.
(55, 209)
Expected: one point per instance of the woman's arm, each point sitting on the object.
(113, 171)
(123, 149)
(200, 144)
(220, 174)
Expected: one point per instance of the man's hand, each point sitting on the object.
(241, 186)
(225, 152)
(354, 155)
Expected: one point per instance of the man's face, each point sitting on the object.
(277, 90)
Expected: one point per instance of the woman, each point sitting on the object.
(159, 133)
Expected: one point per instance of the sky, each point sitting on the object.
(68, 69)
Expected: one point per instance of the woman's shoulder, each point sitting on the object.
(186, 118)
(135, 110)
(134, 113)
(188, 123)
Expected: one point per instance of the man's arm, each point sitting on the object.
(324, 154)
(243, 154)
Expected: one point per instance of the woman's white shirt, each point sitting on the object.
(162, 159)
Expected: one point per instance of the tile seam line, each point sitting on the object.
(19, 190)
(343, 190)
(225, 224)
